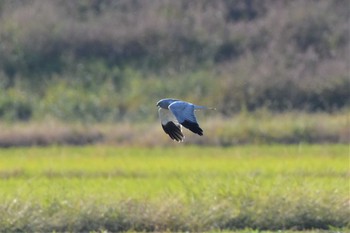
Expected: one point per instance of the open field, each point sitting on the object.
(101, 188)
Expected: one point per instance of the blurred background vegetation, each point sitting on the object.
(106, 61)
(95, 60)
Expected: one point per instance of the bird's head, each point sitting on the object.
(164, 103)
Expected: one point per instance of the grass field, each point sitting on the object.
(248, 188)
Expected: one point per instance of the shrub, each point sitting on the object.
(15, 105)
(114, 57)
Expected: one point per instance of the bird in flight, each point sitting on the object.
(175, 113)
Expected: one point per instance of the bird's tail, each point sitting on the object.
(197, 107)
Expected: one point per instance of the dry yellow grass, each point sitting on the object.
(258, 128)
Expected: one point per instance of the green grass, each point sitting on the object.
(174, 189)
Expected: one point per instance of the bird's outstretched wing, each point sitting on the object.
(184, 113)
(170, 125)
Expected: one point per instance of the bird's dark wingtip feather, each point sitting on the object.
(174, 131)
(193, 126)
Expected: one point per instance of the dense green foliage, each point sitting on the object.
(101, 60)
(174, 189)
